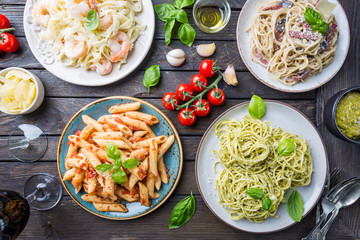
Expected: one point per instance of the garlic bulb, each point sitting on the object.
(206, 50)
(176, 57)
(230, 76)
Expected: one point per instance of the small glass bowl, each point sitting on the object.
(222, 4)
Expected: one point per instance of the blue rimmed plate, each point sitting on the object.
(173, 157)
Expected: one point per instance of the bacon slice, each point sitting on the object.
(282, 4)
(260, 57)
(301, 75)
(330, 36)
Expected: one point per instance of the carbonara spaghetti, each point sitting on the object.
(249, 157)
(64, 27)
(283, 41)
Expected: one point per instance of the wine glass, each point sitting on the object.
(27, 143)
(43, 191)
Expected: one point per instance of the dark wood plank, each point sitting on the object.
(189, 143)
(54, 113)
(76, 223)
(343, 154)
(133, 86)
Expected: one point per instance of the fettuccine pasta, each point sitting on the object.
(249, 157)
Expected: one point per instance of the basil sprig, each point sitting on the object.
(170, 13)
(257, 107)
(92, 20)
(182, 212)
(314, 19)
(151, 76)
(113, 153)
(295, 206)
(257, 193)
(286, 146)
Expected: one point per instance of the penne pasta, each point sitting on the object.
(153, 158)
(91, 122)
(117, 125)
(108, 135)
(118, 143)
(133, 179)
(80, 142)
(147, 118)
(124, 107)
(163, 171)
(144, 195)
(146, 143)
(140, 154)
(69, 174)
(78, 179)
(133, 123)
(137, 136)
(94, 198)
(124, 194)
(110, 207)
(165, 146)
(72, 151)
(158, 182)
(85, 133)
(90, 156)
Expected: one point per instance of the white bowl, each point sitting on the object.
(40, 92)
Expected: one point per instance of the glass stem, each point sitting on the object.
(23, 144)
(31, 197)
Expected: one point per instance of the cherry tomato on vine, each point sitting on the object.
(207, 68)
(202, 108)
(9, 43)
(216, 96)
(170, 101)
(4, 22)
(198, 82)
(184, 92)
(187, 117)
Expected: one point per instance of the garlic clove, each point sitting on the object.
(206, 50)
(175, 57)
(230, 76)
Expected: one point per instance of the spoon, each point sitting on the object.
(348, 199)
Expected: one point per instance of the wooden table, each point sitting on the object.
(70, 221)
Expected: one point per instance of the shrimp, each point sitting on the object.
(105, 21)
(106, 67)
(81, 7)
(120, 45)
(41, 15)
(75, 49)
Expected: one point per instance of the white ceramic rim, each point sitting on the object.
(116, 74)
(39, 88)
(267, 81)
(197, 160)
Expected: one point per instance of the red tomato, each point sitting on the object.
(202, 108)
(170, 101)
(184, 91)
(9, 43)
(207, 68)
(4, 22)
(216, 96)
(187, 118)
(198, 82)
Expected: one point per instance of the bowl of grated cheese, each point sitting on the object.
(21, 92)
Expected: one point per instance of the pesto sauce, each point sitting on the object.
(348, 115)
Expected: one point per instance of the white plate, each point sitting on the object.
(43, 53)
(280, 115)
(247, 14)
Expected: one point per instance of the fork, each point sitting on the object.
(331, 180)
(328, 204)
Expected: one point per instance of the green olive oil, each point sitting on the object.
(211, 18)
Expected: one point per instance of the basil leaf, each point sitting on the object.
(286, 147)
(151, 76)
(113, 153)
(104, 167)
(267, 204)
(131, 163)
(186, 34)
(163, 10)
(257, 107)
(119, 176)
(92, 20)
(255, 193)
(179, 15)
(169, 26)
(316, 22)
(182, 212)
(179, 4)
(295, 206)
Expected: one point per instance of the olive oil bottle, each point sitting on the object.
(211, 17)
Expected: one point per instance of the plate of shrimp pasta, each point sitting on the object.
(89, 42)
(120, 158)
(239, 154)
(293, 45)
